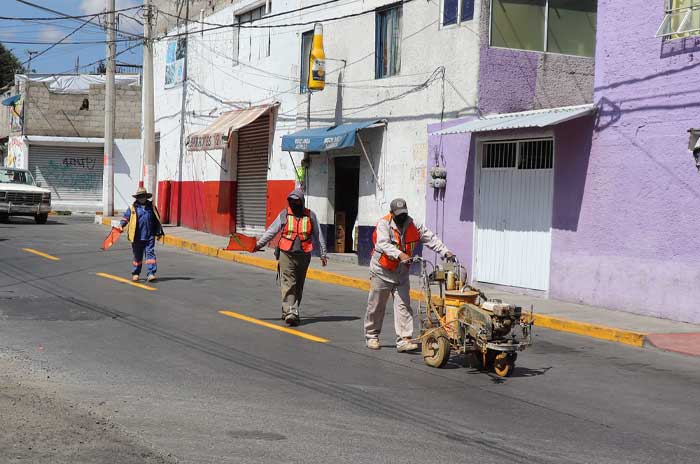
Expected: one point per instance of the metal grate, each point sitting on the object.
(23, 198)
(536, 154)
(499, 155)
(521, 154)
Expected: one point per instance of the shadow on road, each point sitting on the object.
(168, 279)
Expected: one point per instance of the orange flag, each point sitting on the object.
(240, 242)
(111, 238)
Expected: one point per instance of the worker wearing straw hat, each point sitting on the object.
(143, 227)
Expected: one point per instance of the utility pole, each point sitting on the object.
(110, 103)
(31, 54)
(183, 111)
(149, 143)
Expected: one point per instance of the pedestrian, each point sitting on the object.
(395, 239)
(143, 227)
(299, 229)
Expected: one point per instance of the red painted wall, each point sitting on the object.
(206, 206)
(211, 206)
(277, 191)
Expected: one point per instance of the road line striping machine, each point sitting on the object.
(461, 319)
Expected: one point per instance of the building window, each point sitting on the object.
(306, 42)
(682, 19)
(521, 155)
(555, 26)
(388, 42)
(175, 61)
(257, 43)
(457, 11)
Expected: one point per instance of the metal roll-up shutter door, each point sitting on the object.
(73, 174)
(253, 146)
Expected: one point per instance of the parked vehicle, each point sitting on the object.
(21, 196)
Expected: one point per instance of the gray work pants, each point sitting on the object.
(293, 267)
(379, 293)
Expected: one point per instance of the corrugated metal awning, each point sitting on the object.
(526, 119)
(216, 135)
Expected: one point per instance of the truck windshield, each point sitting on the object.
(13, 176)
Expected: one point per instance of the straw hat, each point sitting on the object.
(142, 191)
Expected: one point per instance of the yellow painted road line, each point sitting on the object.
(252, 320)
(39, 253)
(126, 281)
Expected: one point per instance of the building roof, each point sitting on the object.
(523, 120)
(76, 83)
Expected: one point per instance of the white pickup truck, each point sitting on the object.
(21, 196)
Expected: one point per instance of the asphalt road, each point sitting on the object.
(94, 370)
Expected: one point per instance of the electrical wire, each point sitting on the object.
(59, 42)
(63, 16)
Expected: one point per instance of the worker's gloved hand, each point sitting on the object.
(258, 247)
(324, 261)
(450, 257)
(404, 257)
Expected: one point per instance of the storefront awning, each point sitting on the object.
(216, 135)
(526, 119)
(326, 138)
(10, 101)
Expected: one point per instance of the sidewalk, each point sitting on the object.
(605, 324)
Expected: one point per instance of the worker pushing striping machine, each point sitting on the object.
(461, 319)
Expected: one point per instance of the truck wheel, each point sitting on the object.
(436, 349)
(41, 218)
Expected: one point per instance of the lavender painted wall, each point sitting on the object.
(635, 245)
(450, 213)
(518, 80)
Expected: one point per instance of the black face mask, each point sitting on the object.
(298, 210)
(400, 219)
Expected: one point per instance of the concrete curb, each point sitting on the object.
(601, 332)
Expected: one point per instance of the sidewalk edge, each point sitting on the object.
(601, 332)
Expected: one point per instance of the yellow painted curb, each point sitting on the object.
(601, 332)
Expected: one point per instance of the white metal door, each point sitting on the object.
(251, 200)
(513, 243)
(73, 174)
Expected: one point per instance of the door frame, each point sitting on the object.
(481, 140)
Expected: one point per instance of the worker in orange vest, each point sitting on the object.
(395, 240)
(298, 229)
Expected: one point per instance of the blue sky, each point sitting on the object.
(63, 57)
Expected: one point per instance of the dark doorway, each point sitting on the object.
(347, 195)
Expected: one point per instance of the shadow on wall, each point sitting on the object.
(573, 150)
(671, 48)
(466, 213)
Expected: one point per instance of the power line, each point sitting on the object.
(62, 17)
(60, 41)
(273, 26)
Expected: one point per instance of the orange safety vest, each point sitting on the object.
(408, 246)
(297, 227)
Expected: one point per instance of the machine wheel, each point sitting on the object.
(436, 349)
(41, 218)
(503, 364)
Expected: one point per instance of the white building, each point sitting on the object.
(394, 68)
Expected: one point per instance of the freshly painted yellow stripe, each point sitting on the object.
(126, 281)
(39, 253)
(601, 332)
(252, 320)
(551, 322)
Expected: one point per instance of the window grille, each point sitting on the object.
(521, 154)
(682, 19)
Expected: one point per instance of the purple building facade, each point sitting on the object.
(622, 227)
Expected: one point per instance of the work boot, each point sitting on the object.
(151, 277)
(135, 278)
(291, 320)
(405, 345)
(373, 344)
